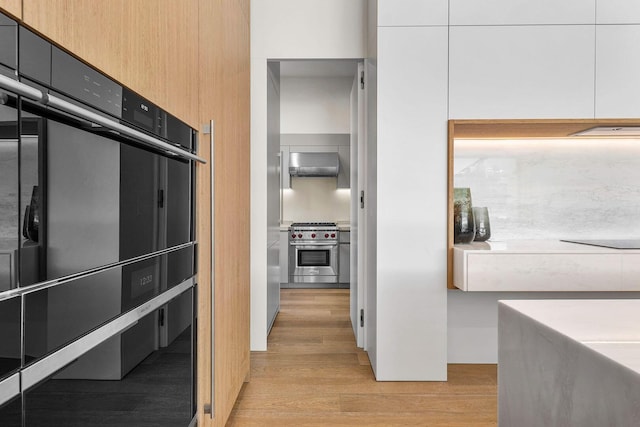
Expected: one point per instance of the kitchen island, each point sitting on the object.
(569, 363)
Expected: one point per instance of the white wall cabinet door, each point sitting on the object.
(284, 257)
(344, 177)
(273, 284)
(618, 71)
(510, 72)
(618, 12)
(519, 12)
(398, 13)
(411, 194)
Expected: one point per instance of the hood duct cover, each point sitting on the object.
(314, 164)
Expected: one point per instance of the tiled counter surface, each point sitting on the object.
(284, 226)
(544, 265)
(569, 363)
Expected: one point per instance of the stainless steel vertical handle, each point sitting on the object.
(281, 176)
(213, 260)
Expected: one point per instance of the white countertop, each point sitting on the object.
(586, 320)
(608, 327)
(537, 246)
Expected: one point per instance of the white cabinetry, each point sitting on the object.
(508, 72)
(544, 265)
(284, 257)
(344, 177)
(618, 12)
(344, 262)
(273, 283)
(618, 71)
(521, 12)
(412, 12)
(285, 178)
(411, 138)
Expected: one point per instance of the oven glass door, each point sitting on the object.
(313, 263)
(314, 258)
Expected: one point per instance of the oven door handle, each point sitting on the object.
(311, 245)
(60, 104)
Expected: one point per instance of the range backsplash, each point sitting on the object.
(315, 199)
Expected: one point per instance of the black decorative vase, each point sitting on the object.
(463, 224)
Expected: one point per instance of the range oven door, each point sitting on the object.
(313, 263)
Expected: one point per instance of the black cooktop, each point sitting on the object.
(609, 243)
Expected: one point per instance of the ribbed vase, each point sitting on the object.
(463, 224)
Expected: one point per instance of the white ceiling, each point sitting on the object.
(319, 68)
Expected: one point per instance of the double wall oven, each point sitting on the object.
(313, 252)
(97, 242)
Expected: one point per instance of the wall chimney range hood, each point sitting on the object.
(314, 164)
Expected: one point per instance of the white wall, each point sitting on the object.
(312, 29)
(315, 104)
(259, 240)
(288, 29)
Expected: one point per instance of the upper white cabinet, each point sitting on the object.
(398, 13)
(514, 12)
(618, 12)
(618, 71)
(508, 72)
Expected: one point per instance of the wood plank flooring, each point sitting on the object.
(314, 375)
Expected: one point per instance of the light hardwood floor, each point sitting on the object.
(314, 375)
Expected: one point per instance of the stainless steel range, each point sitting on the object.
(313, 252)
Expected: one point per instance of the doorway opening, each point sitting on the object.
(316, 106)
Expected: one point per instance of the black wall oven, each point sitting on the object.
(97, 241)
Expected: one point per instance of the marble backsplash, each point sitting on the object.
(316, 199)
(554, 189)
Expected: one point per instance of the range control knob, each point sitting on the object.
(313, 235)
(333, 235)
(300, 236)
(326, 236)
(293, 236)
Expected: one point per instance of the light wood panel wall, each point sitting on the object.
(12, 7)
(149, 45)
(224, 97)
(191, 57)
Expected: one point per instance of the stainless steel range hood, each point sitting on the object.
(314, 164)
